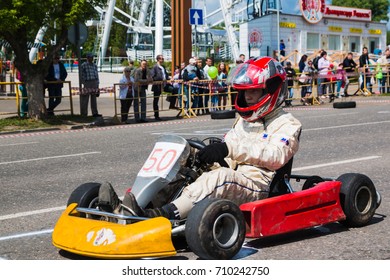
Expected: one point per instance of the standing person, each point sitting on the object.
(310, 71)
(176, 88)
(132, 68)
(349, 66)
(242, 57)
(206, 92)
(386, 70)
(57, 73)
(282, 48)
(190, 73)
(263, 139)
(24, 98)
(160, 75)
(201, 88)
(222, 89)
(365, 76)
(142, 78)
(291, 74)
(90, 82)
(302, 65)
(323, 69)
(126, 93)
(342, 80)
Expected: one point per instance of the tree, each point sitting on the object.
(20, 20)
(378, 8)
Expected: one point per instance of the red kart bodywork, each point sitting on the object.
(290, 212)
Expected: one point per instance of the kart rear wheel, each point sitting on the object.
(215, 229)
(358, 198)
(85, 195)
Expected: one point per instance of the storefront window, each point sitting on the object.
(334, 42)
(354, 44)
(313, 41)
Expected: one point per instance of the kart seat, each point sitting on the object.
(278, 184)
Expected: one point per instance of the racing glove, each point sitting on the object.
(215, 152)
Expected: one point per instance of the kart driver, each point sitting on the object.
(262, 140)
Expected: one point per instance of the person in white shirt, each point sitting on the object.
(323, 69)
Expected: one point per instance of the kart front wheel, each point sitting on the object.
(358, 198)
(85, 195)
(215, 229)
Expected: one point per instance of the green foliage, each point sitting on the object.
(20, 21)
(379, 8)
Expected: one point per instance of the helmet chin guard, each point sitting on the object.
(259, 73)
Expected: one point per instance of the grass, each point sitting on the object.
(60, 121)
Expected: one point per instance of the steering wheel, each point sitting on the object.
(198, 144)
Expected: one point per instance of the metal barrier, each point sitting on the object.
(17, 96)
(187, 99)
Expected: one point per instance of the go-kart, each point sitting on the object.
(215, 228)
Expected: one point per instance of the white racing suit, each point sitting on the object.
(256, 151)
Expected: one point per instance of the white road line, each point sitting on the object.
(44, 158)
(345, 125)
(27, 234)
(335, 163)
(17, 144)
(30, 213)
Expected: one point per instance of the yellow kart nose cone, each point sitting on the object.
(94, 238)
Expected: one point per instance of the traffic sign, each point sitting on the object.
(196, 16)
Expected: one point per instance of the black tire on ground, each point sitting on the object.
(223, 114)
(344, 105)
(358, 198)
(215, 229)
(85, 195)
(311, 182)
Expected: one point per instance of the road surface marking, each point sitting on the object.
(17, 144)
(44, 158)
(27, 234)
(335, 163)
(344, 125)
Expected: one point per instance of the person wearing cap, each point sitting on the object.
(90, 82)
(190, 73)
(56, 76)
(291, 74)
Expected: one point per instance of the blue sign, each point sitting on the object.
(196, 16)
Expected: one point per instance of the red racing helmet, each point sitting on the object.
(265, 74)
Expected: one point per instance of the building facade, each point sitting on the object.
(319, 26)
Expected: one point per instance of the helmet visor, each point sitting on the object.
(246, 76)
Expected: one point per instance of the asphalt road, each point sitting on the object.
(38, 171)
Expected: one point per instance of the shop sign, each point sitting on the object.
(288, 24)
(335, 29)
(312, 10)
(375, 31)
(255, 39)
(347, 13)
(356, 30)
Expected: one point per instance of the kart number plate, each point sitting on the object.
(161, 160)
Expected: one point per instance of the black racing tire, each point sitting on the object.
(358, 199)
(344, 105)
(85, 195)
(312, 181)
(215, 229)
(223, 114)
